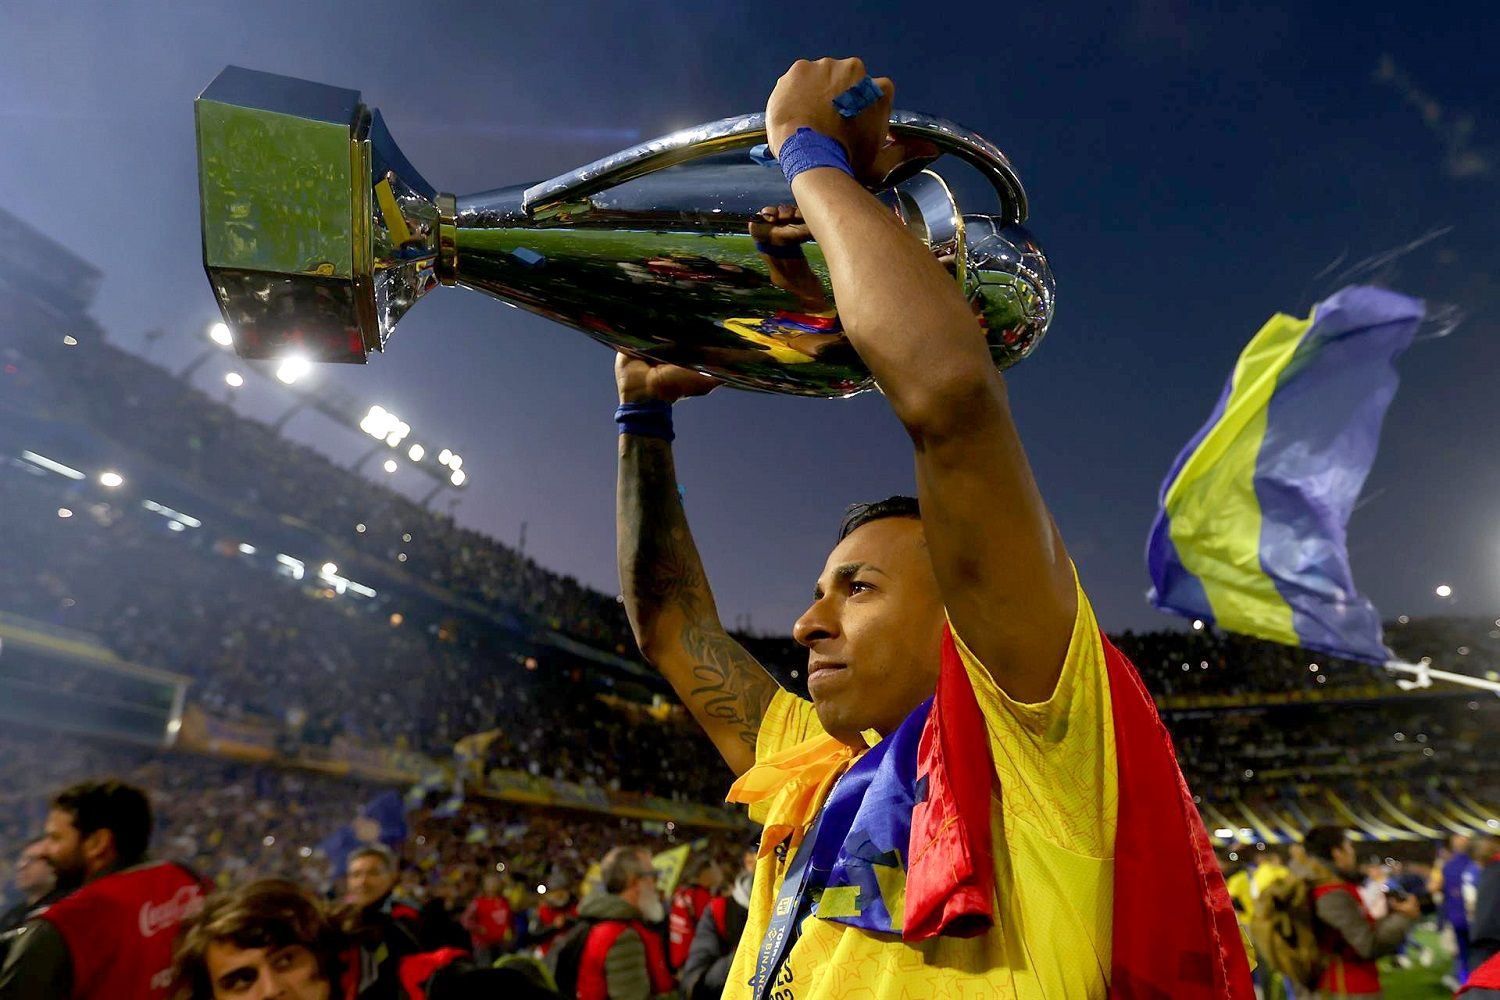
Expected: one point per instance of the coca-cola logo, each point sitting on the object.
(157, 917)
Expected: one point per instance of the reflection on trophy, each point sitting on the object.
(319, 235)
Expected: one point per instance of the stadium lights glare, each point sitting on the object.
(176, 516)
(176, 526)
(390, 465)
(329, 569)
(234, 380)
(64, 512)
(293, 567)
(1223, 833)
(1444, 590)
(386, 426)
(247, 548)
(445, 456)
(541, 890)
(456, 462)
(46, 463)
(219, 334)
(111, 479)
(70, 341)
(292, 369)
(416, 453)
(1197, 625)
(458, 478)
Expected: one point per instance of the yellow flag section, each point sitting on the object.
(1212, 502)
(669, 865)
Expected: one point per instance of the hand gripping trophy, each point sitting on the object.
(319, 235)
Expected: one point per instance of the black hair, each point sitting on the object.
(1322, 841)
(860, 514)
(110, 805)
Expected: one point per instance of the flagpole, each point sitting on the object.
(1425, 675)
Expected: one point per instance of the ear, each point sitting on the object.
(99, 844)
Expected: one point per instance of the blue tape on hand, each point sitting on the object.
(858, 97)
(762, 154)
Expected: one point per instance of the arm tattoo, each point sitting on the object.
(665, 586)
(730, 686)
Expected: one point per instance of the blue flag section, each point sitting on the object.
(1252, 530)
(381, 820)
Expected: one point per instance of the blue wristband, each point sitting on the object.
(792, 251)
(808, 150)
(650, 419)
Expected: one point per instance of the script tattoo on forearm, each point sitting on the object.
(665, 586)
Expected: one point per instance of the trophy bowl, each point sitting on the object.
(319, 235)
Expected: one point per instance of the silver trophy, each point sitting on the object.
(319, 235)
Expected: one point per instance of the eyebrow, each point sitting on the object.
(846, 572)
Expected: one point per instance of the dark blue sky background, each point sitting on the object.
(1191, 168)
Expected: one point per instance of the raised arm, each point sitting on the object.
(667, 596)
(1001, 567)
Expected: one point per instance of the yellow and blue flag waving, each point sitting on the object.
(1251, 534)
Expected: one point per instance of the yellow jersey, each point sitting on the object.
(1053, 805)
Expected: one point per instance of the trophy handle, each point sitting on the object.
(748, 130)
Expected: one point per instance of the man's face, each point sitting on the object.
(369, 879)
(874, 630)
(34, 876)
(1345, 858)
(290, 973)
(62, 846)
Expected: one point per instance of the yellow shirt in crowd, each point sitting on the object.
(1053, 805)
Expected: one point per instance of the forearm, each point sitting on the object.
(900, 308)
(661, 573)
(672, 610)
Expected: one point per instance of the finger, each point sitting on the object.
(888, 88)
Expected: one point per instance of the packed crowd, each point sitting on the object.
(145, 408)
(235, 822)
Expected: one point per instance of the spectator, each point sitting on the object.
(272, 938)
(488, 920)
(1348, 936)
(378, 921)
(37, 884)
(622, 958)
(717, 935)
(1460, 876)
(111, 938)
(267, 938)
(554, 914)
(1484, 928)
(701, 880)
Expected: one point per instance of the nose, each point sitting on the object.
(818, 622)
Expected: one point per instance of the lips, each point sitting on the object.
(823, 668)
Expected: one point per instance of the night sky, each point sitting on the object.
(1191, 171)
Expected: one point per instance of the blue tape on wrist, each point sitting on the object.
(858, 97)
(650, 419)
(792, 251)
(762, 154)
(807, 150)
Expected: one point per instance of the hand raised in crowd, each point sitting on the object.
(640, 381)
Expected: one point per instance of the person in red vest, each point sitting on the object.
(111, 939)
(1350, 938)
(488, 920)
(553, 916)
(623, 959)
(701, 880)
